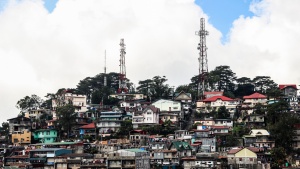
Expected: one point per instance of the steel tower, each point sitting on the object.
(105, 79)
(203, 66)
(122, 75)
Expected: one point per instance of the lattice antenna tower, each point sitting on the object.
(105, 78)
(122, 75)
(203, 66)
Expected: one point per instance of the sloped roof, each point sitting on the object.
(282, 86)
(259, 132)
(255, 96)
(189, 95)
(214, 98)
(153, 108)
(181, 145)
(236, 150)
(88, 126)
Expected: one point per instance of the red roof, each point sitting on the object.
(282, 86)
(255, 96)
(88, 126)
(214, 98)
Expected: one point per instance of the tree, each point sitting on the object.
(66, 118)
(126, 127)
(282, 131)
(224, 78)
(29, 102)
(244, 87)
(278, 155)
(222, 113)
(276, 110)
(159, 89)
(144, 87)
(263, 84)
(4, 130)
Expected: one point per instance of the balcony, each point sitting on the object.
(136, 121)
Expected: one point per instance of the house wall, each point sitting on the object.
(252, 102)
(23, 137)
(167, 105)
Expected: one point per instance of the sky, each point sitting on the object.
(46, 45)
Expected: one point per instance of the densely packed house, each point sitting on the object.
(92, 142)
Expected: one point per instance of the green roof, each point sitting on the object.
(55, 143)
(181, 145)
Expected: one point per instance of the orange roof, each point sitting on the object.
(255, 96)
(88, 126)
(214, 98)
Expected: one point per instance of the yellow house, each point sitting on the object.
(21, 137)
(243, 156)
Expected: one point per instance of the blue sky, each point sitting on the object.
(222, 13)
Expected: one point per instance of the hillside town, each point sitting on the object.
(102, 138)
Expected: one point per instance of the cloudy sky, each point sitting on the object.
(47, 45)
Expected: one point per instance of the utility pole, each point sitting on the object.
(203, 66)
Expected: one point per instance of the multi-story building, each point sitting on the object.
(296, 139)
(289, 92)
(77, 100)
(35, 114)
(45, 135)
(148, 115)
(109, 122)
(88, 130)
(20, 130)
(129, 158)
(185, 98)
(46, 156)
(259, 138)
(242, 157)
(169, 110)
(215, 102)
(252, 100)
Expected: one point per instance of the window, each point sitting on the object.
(175, 108)
(251, 159)
(241, 159)
(48, 133)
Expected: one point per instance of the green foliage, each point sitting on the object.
(222, 113)
(278, 155)
(282, 130)
(264, 84)
(155, 88)
(275, 110)
(126, 127)
(28, 102)
(66, 117)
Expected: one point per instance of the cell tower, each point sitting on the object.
(122, 75)
(105, 78)
(203, 67)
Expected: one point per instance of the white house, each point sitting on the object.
(169, 110)
(252, 100)
(215, 102)
(78, 101)
(148, 115)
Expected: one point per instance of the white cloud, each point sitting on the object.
(42, 52)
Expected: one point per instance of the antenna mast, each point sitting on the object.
(203, 66)
(122, 75)
(105, 80)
